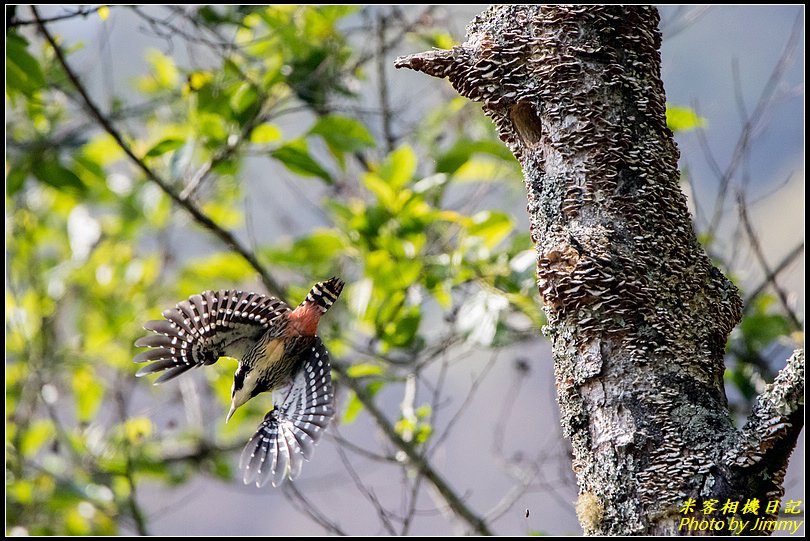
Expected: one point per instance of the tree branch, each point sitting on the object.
(768, 438)
(770, 421)
(385, 105)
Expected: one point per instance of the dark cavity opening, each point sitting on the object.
(527, 123)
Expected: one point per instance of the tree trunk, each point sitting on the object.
(638, 316)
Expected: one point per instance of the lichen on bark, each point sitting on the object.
(637, 314)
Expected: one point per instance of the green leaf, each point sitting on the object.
(15, 178)
(89, 171)
(491, 227)
(163, 74)
(295, 157)
(424, 411)
(423, 433)
(405, 428)
(53, 173)
(436, 39)
(364, 370)
(479, 170)
(88, 391)
(35, 436)
(243, 98)
(342, 134)
(390, 274)
(265, 133)
(760, 327)
(355, 406)
(315, 253)
(385, 192)
(23, 72)
(214, 127)
(224, 214)
(221, 467)
(164, 146)
(323, 244)
(398, 167)
(103, 149)
(402, 332)
(461, 152)
(136, 429)
(209, 15)
(741, 377)
(683, 119)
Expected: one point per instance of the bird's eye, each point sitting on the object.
(238, 381)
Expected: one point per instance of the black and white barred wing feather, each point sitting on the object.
(206, 327)
(289, 433)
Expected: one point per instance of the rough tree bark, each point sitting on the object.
(638, 316)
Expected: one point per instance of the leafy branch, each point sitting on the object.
(184, 202)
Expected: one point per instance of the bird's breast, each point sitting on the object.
(267, 367)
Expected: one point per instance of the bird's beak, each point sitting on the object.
(230, 413)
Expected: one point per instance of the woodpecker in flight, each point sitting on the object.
(277, 350)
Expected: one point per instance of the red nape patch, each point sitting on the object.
(304, 320)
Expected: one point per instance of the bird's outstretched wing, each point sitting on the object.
(289, 432)
(205, 327)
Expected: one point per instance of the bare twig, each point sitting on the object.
(164, 28)
(382, 64)
(416, 460)
(368, 493)
(396, 39)
(132, 498)
(763, 262)
(410, 513)
(751, 125)
(683, 18)
(81, 12)
(436, 443)
(770, 277)
(343, 442)
(300, 502)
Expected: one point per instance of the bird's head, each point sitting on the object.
(245, 386)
